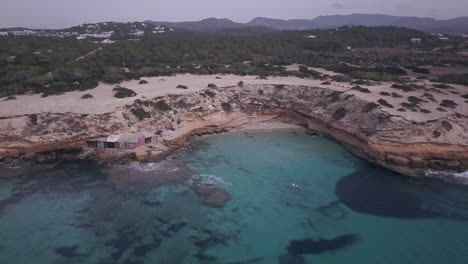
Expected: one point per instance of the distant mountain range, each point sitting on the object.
(457, 26)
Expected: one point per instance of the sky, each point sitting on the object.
(65, 13)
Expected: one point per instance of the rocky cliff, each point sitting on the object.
(437, 147)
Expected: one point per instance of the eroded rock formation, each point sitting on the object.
(396, 142)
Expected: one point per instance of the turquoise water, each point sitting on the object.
(294, 199)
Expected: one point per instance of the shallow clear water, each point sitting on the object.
(294, 199)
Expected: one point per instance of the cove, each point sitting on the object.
(294, 198)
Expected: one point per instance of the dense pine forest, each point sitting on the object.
(56, 65)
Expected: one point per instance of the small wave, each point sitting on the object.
(463, 175)
(460, 178)
(144, 167)
(211, 179)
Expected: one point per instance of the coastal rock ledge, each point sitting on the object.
(412, 143)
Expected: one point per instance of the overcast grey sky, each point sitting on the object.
(65, 13)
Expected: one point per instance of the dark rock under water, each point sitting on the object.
(375, 191)
(317, 246)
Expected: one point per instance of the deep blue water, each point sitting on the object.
(294, 199)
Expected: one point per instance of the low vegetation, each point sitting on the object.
(210, 94)
(448, 103)
(87, 96)
(405, 87)
(180, 86)
(340, 113)
(334, 96)
(122, 92)
(447, 125)
(226, 107)
(162, 106)
(33, 119)
(140, 113)
(454, 78)
(361, 89)
(369, 107)
(416, 100)
(67, 67)
(383, 102)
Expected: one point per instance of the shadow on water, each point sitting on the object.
(376, 191)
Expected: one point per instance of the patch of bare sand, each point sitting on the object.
(103, 100)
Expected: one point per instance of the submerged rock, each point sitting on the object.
(212, 196)
(317, 246)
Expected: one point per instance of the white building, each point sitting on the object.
(137, 33)
(312, 36)
(107, 41)
(416, 40)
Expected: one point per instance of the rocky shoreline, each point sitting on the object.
(436, 147)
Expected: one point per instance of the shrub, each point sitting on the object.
(436, 134)
(420, 70)
(326, 83)
(442, 86)
(384, 93)
(464, 96)
(86, 96)
(212, 86)
(226, 107)
(369, 107)
(401, 110)
(448, 103)
(403, 87)
(180, 86)
(143, 82)
(416, 100)
(410, 106)
(260, 92)
(339, 113)
(163, 106)
(140, 113)
(122, 92)
(441, 109)
(395, 95)
(383, 102)
(361, 82)
(425, 111)
(10, 98)
(335, 96)
(279, 86)
(342, 78)
(395, 71)
(454, 78)
(33, 119)
(361, 89)
(210, 94)
(240, 84)
(447, 125)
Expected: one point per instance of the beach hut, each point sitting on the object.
(123, 141)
